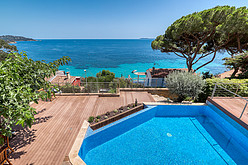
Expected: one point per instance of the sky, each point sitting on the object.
(97, 19)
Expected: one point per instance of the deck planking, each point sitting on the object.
(232, 106)
(57, 124)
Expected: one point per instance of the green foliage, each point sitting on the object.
(233, 34)
(115, 111)
(201, 34)
(185, 84)
(98, 117)
(20, 81)
(206, 75)
(188, 99)
(105, 76)
(5, 49)
(68, 88)
(238, 62)
(128, 83)
(91, 119)
(231, 85)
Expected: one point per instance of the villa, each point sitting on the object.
(164, 116)
(61, 78)
(155, 77)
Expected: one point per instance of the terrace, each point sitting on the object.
(231, 102)
(57, 124)
(50, 139)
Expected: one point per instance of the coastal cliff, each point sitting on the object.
(13, 39)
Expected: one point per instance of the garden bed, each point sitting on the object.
(112, 116)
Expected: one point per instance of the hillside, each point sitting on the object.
(11, 38)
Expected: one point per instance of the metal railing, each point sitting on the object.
(108, 87)
(234, 91)
(150, 82)
(88, 87)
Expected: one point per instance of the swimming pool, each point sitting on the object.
(168, 134)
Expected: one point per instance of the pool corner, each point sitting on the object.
(74, 158)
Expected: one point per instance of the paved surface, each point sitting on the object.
(57, 124)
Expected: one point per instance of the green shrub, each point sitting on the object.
(68, 88)
(91, 119)
(98, 117)
(188, 99)
(231, 85)
(115, 111)
(185, 84)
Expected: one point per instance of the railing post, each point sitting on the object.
(243, 110)
(213, 91)
(237, 90)
(97, 87)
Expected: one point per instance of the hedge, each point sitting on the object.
(231, 85)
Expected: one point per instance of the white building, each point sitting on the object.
(156, 77)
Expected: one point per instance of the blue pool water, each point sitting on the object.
(168, 135)
(120, 56)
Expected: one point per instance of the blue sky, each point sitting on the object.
(97, 18)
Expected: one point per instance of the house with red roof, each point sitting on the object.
(61, 78)
(155, 77)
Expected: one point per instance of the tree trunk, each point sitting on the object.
(189, 65)
(239, 47)
(236, 69)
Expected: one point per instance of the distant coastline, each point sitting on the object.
(12, 39)
(146, 38)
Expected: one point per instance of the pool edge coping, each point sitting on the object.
(161, 103)
(73, 155)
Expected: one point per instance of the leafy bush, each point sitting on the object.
(231, 85)
(188, 99)
(128, 83)
(185, 84)
(105, 76)
(68, 88)
(91, 119)
(206, 75)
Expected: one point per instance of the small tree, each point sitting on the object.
(20, 81)
(105, 76)
(185, 84)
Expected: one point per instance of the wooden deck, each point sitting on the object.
(57, 124)
(233, 107)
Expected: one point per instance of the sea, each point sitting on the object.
(121, 56)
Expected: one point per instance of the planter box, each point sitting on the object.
(116, 117)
